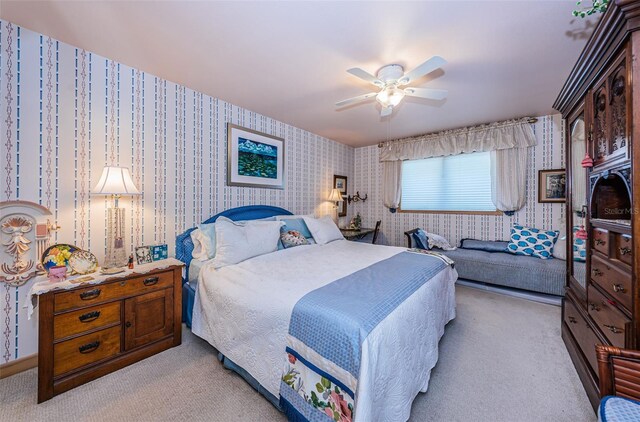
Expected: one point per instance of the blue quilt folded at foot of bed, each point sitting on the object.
(328, 327)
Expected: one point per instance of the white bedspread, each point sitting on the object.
(244, 310)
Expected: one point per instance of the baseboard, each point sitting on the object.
(18, 365)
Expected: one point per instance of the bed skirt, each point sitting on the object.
(228, 363)
(188, 299)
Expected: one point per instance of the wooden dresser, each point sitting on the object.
(90, 331)
(601, 104)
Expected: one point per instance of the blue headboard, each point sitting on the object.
(184, 245)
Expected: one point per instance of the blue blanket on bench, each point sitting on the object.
(328, 327)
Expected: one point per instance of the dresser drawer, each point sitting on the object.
(114, 290)
(80, 351)
(615, 282)
(582, 332)
(87, 319)
(610, 320)
(624, 248)
(601, 240)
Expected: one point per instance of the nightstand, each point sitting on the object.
(91, 330)
(351, 234)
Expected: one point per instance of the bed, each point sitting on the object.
(250, 312)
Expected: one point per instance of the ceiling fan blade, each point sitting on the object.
(357, 99)
(356, 71)
(429, 93)
(427, 67)
(386, 111)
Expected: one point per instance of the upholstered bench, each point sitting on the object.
(493, 266)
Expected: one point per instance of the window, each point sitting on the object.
(453, 183)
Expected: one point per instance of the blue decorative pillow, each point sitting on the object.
(421, 239)
(579, 247)
(532, 242)
(292, 238)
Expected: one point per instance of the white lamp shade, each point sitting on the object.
(115, 181)
(335, 196)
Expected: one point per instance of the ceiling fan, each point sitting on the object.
(390, 78)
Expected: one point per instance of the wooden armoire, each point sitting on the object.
(600, 103)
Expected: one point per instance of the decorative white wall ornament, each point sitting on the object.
(19, 262)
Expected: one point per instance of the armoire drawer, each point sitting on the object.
(624, 248)
(610, 320)
(615, 282)
(582, 332)
(601, 240)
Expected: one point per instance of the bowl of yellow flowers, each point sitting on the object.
(58, 256)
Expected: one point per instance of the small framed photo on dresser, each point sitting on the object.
(143, 255)
(552, 185)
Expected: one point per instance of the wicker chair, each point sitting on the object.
(619, 371)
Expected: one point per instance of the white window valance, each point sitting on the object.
(508, 142)
(490, 137)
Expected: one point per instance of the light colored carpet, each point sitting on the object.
(501, 359)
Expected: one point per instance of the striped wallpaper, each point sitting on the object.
(548, 154)
(66, 113)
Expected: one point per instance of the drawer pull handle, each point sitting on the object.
(150, 281)
(90, 294)
(89, 316)
(600, 242)
(614, 329)
(596, 272)
(625, 251)
(573, 320)
(594, 307)
(618, 288)
(89, 347)
(128, 324)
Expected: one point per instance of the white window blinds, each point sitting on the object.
(453, 183)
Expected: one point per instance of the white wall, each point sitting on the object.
(56, 129)
(548, 154)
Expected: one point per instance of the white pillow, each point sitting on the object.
(560, 248)
(238, 242)
(324, 230)
(437, 241)
(199, 251)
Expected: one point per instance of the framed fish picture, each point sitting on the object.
(254, 159)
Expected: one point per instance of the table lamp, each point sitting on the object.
(115, 181)
(336, 196)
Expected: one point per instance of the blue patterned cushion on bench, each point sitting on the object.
(618, 409)
(531, 241)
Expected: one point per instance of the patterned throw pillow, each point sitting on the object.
(579, 247)
(532, 242)
(292, 238)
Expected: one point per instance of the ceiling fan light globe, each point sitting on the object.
(390, 96)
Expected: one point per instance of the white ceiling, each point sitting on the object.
(288, 60)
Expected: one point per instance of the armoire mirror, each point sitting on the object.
(578, 199)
